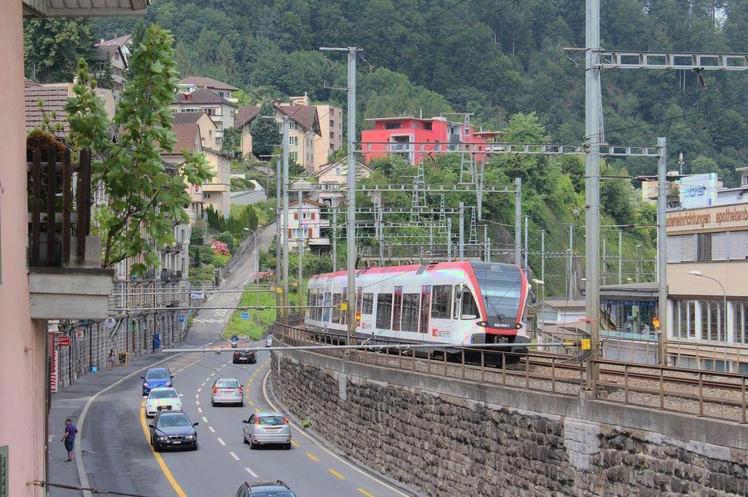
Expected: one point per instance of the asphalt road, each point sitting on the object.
(118, 456)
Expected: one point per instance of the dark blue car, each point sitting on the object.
(156, 377)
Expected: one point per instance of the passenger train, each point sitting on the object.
(458, 303)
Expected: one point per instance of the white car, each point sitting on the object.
(269, 341)
(162, 399)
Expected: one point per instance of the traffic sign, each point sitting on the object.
(109, 323)
(344, 306)
(586, 344)
(245, 316)
(63, 341)
(197, 295)
(182, 318)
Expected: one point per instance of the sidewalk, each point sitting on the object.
(69, 404)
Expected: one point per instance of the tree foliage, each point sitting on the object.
(265, 134)
(53, 46)
(145, 196)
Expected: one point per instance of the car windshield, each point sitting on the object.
(163, 394)
(173, 420)
(227, 384)
(272, 493)
(157, 374)
(271, 420)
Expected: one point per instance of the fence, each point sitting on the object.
(59, 194)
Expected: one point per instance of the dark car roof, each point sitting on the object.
(267, 486)
(164, 414)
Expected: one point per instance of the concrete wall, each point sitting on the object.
(447, 437)
(22, 345)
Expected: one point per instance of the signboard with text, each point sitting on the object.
(698, 190)
(63, 341)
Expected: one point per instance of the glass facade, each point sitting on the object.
(630, 316)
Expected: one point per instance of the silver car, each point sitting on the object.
(227, 391)
(269, 341)
(267, 427)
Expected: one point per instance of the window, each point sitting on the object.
(713, 365)
(740, 317)
(384, 310)
(338, 171)
(293, 156)
(427, 126)
(410, 312)
(391, 125)
(208, 111)
(704, 247)
(293, 140)
(423, 325)
(326, 309)
(711, 321)
(397, 308)
(737, 245)
(719, 247)
(469, 307)
(332, 135)
(368, 304)
(336, 300)
(206, 195)
(442, 302)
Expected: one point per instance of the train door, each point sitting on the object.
(441, 324)
(326, 303)
(367, 312)
(423, 321)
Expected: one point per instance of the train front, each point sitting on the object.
(503, 295)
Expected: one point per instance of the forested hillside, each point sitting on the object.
(489, 57)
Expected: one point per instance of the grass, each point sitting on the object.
(259, 319)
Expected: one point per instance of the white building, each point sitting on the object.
(305, 224)
(220, 110)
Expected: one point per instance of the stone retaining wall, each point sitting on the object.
(449, 445)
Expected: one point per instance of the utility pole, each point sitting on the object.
(605, 261)
(593, 137)
(542, 256)
(449, 239)
(662, 303)
(527, 247)
(486, 245)
(301, 248)
(461, 232)
(335, 236)
(285, 217)
(570, 264)
(518, 221)
(620, 257)
(351, 193)
(278, 235)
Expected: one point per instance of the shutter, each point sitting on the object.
(314, 216)
(309, 233)
(737, 243)
(673, 248)
(289, 232)
(296, 216)
(719, 247)
(688, 248)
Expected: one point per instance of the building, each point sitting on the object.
(192, 83)
(334, 176)
(245, 116)
(305, 224)
(26, 336)
(330, 137)
(50, 98)
(304, 130)
(416, 138)
(220, 110)
(197, 132)
(117, 52)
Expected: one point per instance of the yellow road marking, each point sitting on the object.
(336, 474)
(160, 460)
(251, 403)
(364, 492)
(312, 456)
(295, 444)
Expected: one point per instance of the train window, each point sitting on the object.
(442, 302)
(368, 307)
(410, 312)
(423, 325)
(397, 308)
(469, 307)
(326, 309)
(384, 310)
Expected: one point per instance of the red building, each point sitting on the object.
(416, 138)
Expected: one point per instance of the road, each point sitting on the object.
(118, 457)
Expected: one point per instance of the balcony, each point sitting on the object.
(66, 279)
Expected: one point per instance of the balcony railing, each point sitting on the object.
(59, 202)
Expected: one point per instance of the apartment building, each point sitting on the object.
(305, 224)
(333, 177)
(330, 137)
(192, 83)
(117, 52)
(220, 110)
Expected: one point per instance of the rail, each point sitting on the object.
(706, 394)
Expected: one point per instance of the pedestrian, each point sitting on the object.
(69, 438)
(110, 360)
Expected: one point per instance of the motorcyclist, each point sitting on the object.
(234, 341)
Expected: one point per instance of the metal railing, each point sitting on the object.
(684, 391)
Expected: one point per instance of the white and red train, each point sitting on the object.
(458, 303)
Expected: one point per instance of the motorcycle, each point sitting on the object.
(234, 342)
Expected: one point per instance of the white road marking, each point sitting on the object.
(197, 402)
(199, 390)
(220, 441)
(197, 396)
(233, 455)
(205, 420)
(212, 430)
(200, 410)
(254, 475)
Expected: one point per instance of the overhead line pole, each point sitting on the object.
(592, 184)
(662, 250)
(278, 233)
(518, 221)
(285, 216)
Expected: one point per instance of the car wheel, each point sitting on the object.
(287, 446)
(252, 445)
(244, 438)
(240, 404)
(212, 404)
(195, 447)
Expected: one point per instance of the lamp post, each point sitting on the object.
(695, 272)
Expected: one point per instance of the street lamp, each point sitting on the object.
(695, 272)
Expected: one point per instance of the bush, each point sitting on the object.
(226, 238)
(199, 229)
(220, 260)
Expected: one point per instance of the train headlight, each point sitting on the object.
(518, 325)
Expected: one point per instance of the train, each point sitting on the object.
(452, 303)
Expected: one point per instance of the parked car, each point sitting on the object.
(173, 430)
(264, 489)
(162, 399)
(269, 341)
(267, 427)
(227, 391)
(248, 356)
(156, 377)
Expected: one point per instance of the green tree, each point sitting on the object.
(265, 134)
(145, 197)
(52, 47)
